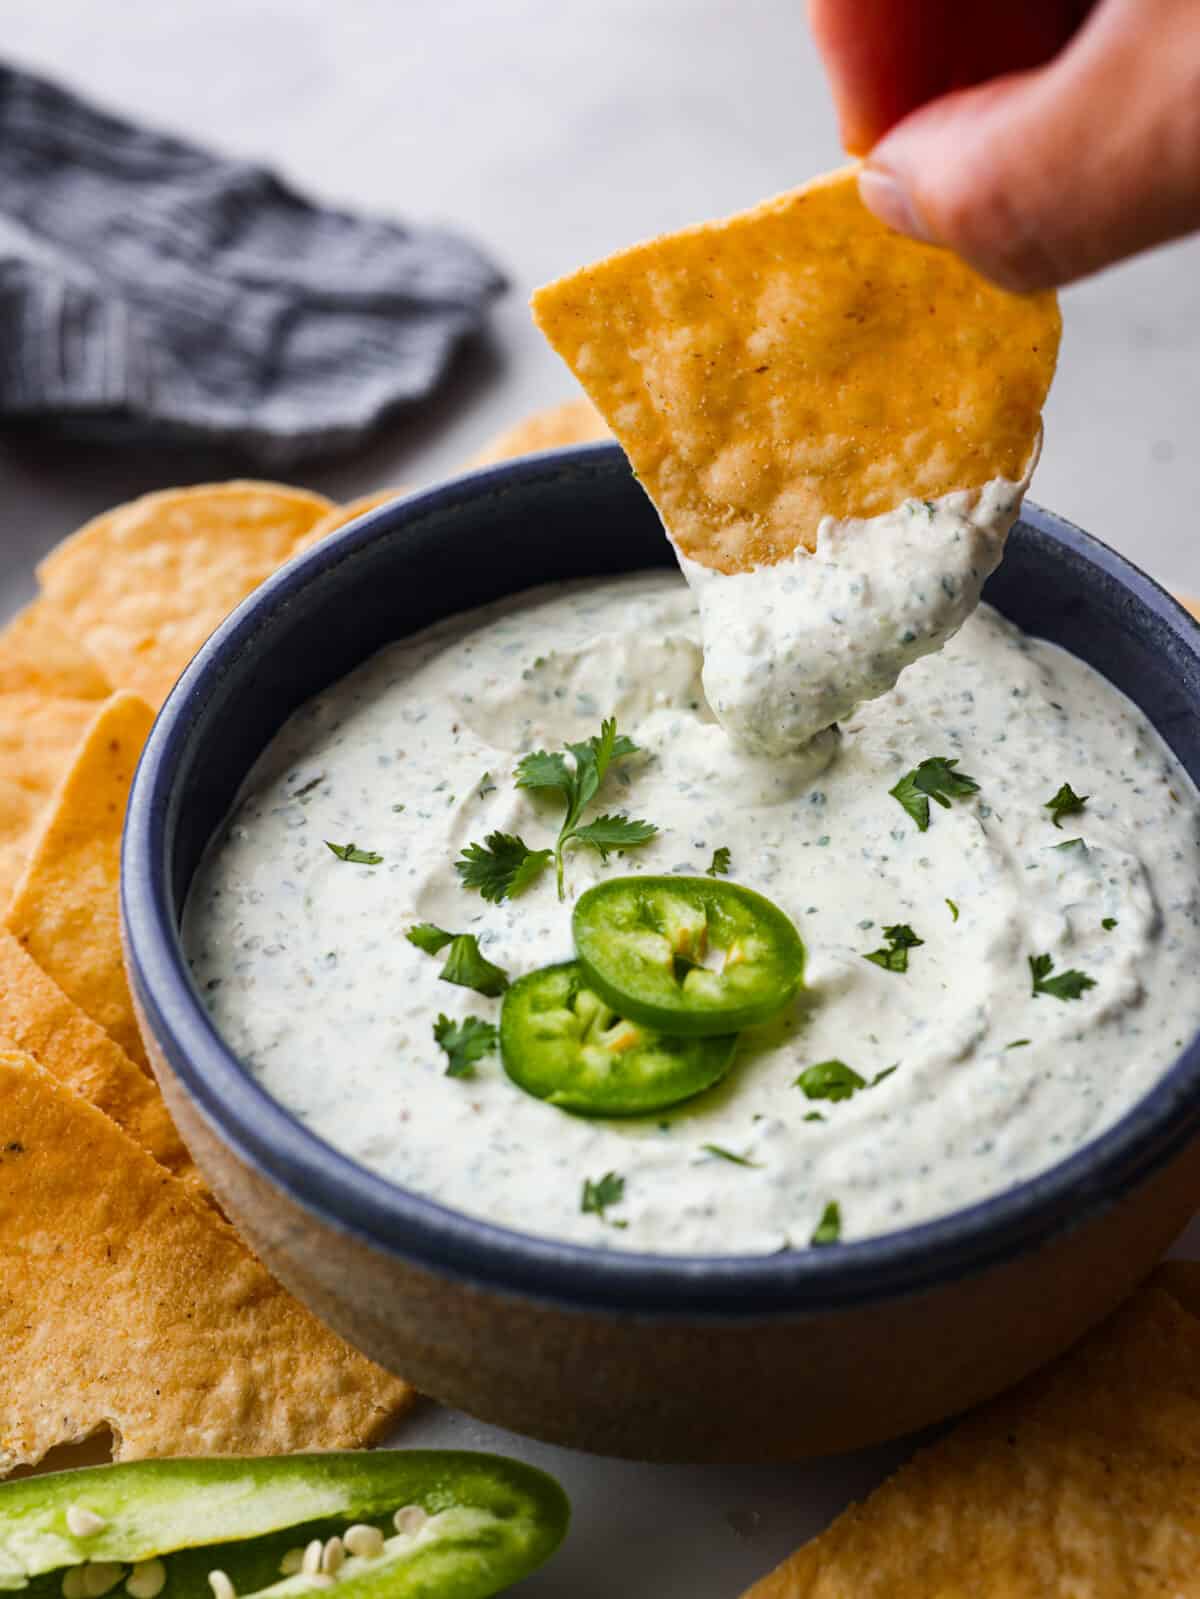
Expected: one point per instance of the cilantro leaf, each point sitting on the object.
(464, 1042)
(597, 1196)
(579, 782)
(720, 863)
(953, 909)
(613, 832)
(501, 866)
(1070, 984)
(1109, 923)
(829, 1229)
(814, 1116)
(727, 1154)
(464, 964)
(467, 967)
(351, 852)
(1065, 803)
(829, 1079)
(880, 1077)
(934, 778)
(900, 939)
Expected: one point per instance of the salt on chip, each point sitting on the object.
(38, 737)
(126, 1303)
(801, 360)
(37, 655)
(572, 422)
(66, 909)
(145, 584)
(38, 1019)
(1084, 1480)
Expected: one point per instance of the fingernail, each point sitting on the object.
(883, 193)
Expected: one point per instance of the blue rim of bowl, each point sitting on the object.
(337, 1190)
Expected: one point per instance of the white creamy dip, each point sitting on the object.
(791, 648)
(303, 962)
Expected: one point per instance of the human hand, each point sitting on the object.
(1040, 139)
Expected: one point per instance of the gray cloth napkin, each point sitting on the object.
(164, 291)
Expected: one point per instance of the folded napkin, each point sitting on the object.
(164, 291)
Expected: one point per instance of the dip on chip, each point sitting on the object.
(797, 361)
(127, 1304)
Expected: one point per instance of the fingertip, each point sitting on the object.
(886, 196)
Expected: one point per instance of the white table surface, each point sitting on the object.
(554, 131)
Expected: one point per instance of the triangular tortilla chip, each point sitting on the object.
(39, 734)
(573, 422)
(126, 1303)
(38, 1019)
(144, 585)
(66, 909)
(37, 655)
(801, 360)
(1083, 1481)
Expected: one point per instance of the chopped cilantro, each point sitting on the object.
(428, 937)
(719, 866)
(953, 909)
(464, 963)
(934, 778)
(814, 1116)
(1067, 985)
(351, 852)
(1072, 844)
(1018, 1043)
(829, 1229)
(1065, 803)
(727, 1154)
(900, 939)
(597, 1196)
(578, 783)
(829, 1079)
(879, 1077)
(464, 1042)
(1109, 923)
(307, 788)
(486, 786)
(501, 866)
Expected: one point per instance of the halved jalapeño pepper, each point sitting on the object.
(418, 1524)
(561, 1042)
(687, 955)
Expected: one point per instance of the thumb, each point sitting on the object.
(1046, 175)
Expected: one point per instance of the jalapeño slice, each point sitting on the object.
(687, 955)
(561, 1042)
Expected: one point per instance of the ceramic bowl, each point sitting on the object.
(715, 1358)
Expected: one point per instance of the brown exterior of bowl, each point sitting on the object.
(772, 1387)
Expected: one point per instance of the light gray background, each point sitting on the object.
(556, 130)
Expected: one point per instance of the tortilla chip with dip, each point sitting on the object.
(145, 584)
(573, 422)
(1084, 1480)
(38, 1019)
(126, 1303)
(801, 360)
(66, 910)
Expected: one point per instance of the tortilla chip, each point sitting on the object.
(341, 514)
(144, 585)
(573, 422)
(126, 1303)
(1190, 605)
(66, 908)
(38, 738)
(38, 1019)
(36, 656)
(1083, 1481)
(801, 360)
